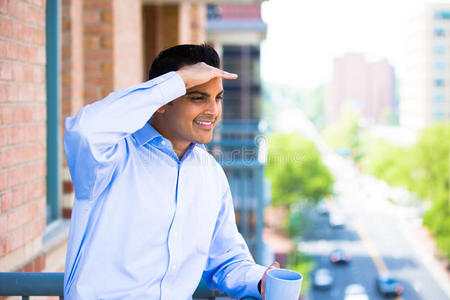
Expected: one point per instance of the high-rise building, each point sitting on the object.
(368, 87)
(424, 75)
(236, 30)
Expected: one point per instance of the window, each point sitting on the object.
(438, 98)
(439, 49)
(439, 82)
(53, 111)
(442, 15)
(439, 115)
(439, 66)
(439, 32)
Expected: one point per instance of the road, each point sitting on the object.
(375, 235)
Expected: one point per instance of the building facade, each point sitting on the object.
(367, 87)
(424, 76)
(237, 30)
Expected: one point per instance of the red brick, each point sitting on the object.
(5, 70)
(17, 197)
(28, 32)
(2, 180)
(6, 199)
(3, 139)
(11, 50)
(6, 27)
(98, 4)
(3, 247)
(18, 217)
(17, 9)
(91, 16)
(32, 230)
(17, 30)
(3, 6)
(12, 92)
(23, 53)
(98, 29)
(17, 71)
(15, 135)
(3, 224)
(18, 115)
(10, 157)
(15, 176)
(3, 46)
(14, 240)
(40, 57)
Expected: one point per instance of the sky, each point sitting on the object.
(305, 35)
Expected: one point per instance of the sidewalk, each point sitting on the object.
(425, 246)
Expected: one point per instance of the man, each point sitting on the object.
(153, 211)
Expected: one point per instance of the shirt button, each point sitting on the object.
(175, 234)
(163, 143)
(174, 267)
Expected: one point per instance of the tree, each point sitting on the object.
(296, 171)
(422, 169)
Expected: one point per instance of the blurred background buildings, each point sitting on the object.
(425, 77)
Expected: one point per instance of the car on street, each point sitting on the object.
(388, 286)
(355, 292)
(339, 256)
(337, 220)
(322, 207)
(322, 279)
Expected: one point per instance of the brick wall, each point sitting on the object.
(22, 133)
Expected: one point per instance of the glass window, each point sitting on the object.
(440, 15)
(439, 82)
(439, 115)
(438, 98)
(439, 49)
(439, 32)
(439, 66)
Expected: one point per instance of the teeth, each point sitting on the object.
(203, 123)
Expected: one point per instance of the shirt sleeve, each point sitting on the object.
(94, 139)
(230, 266)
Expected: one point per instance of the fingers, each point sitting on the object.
(227, 75)
(275, 264)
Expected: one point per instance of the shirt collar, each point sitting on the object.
(148, 133)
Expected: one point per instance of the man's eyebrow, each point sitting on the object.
(202, 93)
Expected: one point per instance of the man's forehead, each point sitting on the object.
(212, 86)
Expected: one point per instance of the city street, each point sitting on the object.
(376, 235)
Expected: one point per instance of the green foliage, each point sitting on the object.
(303, 264)
(437, 219)
(345, 132)
(422, 169)
(296, 171)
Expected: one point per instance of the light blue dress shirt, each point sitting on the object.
(146, 225)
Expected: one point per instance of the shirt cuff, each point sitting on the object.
(171, 86)
(253, 276)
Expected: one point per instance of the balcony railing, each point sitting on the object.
(52, 284)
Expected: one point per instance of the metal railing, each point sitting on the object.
(52, 284)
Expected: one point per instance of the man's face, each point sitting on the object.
(192, 117)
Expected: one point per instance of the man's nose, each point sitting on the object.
(213, 107)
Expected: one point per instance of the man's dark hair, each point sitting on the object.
(172, 59)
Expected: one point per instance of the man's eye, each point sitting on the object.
(197, 98)
(219, 98)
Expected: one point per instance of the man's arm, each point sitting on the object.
(94, 137)
(230, 266)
